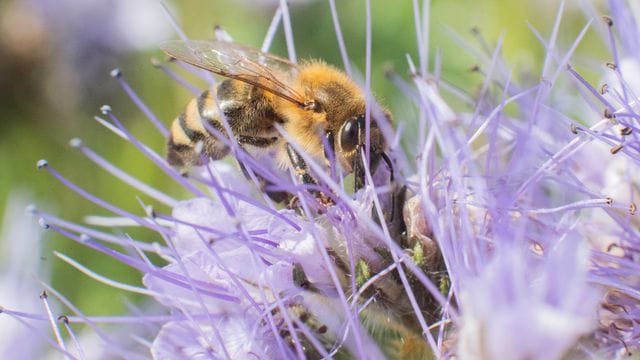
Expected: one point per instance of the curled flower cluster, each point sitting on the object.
(513, 236)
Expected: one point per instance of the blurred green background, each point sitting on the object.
(55, 58)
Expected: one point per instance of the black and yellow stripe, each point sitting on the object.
(190, 141)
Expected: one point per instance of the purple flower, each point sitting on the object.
(20, 266)
(514, 236)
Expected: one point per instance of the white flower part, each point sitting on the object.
(630, 69)
(302, 247)
(330, 313)
(181, 295)
(201, 214)
(279, 275)
(19, 265)
(227, 175)
(517, 310)
(526, 330)
(237, 267)
(239, 334)
(430, 91)
(205, 213)
(614, 178)
(363, 240)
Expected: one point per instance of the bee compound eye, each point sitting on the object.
(349, 135)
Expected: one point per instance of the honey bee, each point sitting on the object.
(308, 101)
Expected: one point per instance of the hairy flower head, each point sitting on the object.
(503, 234)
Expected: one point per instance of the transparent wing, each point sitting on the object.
(239, 62)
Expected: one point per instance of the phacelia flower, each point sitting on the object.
(514, 235)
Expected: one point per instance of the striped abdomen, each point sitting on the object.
(190, 142)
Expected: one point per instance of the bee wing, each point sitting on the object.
(239, 62)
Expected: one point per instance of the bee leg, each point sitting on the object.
(394, 217)
(300, 167)
(302, 172)
(391, 182)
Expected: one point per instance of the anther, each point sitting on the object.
(611, 65)
(42, 163)
(63, 318)
(574, 129)
(616, 149)
(105, 109)
(607, 20)
(43, 224)
(611, 247)
(625, 131)
(85, 238)
(608, 200)
(604, 89)
(474, 68)
(116, 73)
(632, 208)
(75, 142)
(43, 294)
(608, 114)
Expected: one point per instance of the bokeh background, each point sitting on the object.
(55, 58)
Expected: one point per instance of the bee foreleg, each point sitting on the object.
(300, 167)
(302, 172)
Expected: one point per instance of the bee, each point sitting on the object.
(308, 101)
(261, 91)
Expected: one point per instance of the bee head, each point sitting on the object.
(348, 142)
